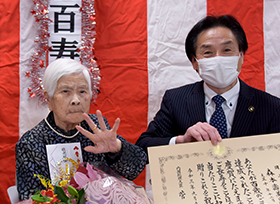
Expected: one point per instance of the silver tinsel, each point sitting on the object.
(38, 59)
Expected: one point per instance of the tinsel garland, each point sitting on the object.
(38, 59)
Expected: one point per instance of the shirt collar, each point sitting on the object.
(230, 96)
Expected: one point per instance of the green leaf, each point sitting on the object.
(60, 193)
(69, 202)
(82, 199)
(41, 198)
(72, 191)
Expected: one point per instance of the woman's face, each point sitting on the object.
(70, 100)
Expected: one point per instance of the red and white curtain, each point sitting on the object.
(140, 53)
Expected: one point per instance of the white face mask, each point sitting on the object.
(219, 71)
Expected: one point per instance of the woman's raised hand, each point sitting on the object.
(105, 140)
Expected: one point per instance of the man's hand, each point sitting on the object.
(200, 132)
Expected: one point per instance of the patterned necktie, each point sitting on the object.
(218, 119)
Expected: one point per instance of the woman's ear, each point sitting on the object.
(47, 98)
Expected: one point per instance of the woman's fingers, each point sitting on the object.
(90, 149)
(91, 124)
(85, 132)
(101, 120)
(104, 140)
(116, 125)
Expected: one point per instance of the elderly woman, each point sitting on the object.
(67, 89)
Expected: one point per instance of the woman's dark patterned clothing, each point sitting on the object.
(31, 155)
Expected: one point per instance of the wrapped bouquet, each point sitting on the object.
(105, 188)
(91, 185)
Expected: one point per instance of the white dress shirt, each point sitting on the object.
(229, 105)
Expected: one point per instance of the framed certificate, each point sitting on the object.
(238, 170)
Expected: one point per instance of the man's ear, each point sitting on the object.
(240, 61)
(195, 64)
(48, 99)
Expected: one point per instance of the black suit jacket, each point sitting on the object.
(257, 112)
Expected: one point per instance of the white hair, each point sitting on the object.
(62, 67)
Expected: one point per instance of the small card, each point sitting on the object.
(63, 160)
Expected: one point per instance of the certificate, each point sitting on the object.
(237, 170)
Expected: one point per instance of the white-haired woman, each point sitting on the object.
(67, 89)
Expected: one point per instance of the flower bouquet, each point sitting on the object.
(91, 184)
(60, 193)
(103, 186)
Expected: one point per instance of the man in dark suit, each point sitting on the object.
(220, 106)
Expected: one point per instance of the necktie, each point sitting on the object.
(218, 119)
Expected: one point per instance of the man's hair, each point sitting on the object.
(208, 22)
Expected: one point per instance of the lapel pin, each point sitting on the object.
(251, 108)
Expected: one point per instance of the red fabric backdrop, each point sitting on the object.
(9, 95)
(250, 15)
(121, 53)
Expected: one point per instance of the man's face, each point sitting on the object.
(217, 41)
(70, 100)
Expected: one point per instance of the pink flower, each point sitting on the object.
(82, 179)
(92, 174)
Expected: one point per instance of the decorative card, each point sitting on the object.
(238, 170)
(63, 160)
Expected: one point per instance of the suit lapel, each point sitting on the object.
(245, 111)
(196, 105)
